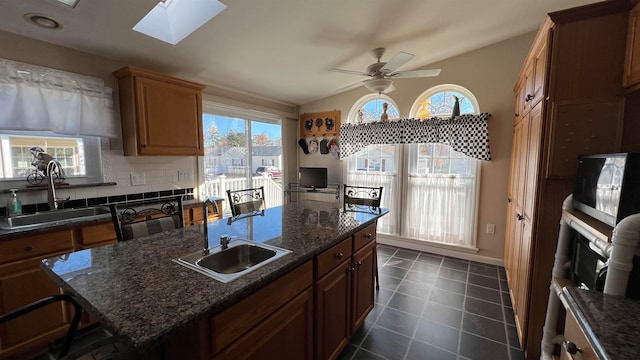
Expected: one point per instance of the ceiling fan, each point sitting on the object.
(381, 73)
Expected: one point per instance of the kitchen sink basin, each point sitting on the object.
(50, 217)
(241, 257)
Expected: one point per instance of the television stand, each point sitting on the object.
(331, 189)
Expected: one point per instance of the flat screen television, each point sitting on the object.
(313, 178)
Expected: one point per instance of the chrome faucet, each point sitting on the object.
(51, 188)
(205, 211)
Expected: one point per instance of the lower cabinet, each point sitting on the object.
(344, 295)
(22, 282)
(195, 215)
(285, 335)
(576, 345)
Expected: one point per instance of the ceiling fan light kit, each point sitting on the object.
(379, 86)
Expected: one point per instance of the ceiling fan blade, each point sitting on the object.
(350, 86)
(415, 73)
(350, 72)
(398, 60)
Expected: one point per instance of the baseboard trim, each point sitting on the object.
(439, 249)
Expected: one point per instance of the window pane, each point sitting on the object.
(68, 151)
(240, 154)
(372, 110)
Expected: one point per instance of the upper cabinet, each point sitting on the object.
(631, 77)
(160, 115)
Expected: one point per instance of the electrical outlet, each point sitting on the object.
(184, 175)
(137, 179)
(491, 229)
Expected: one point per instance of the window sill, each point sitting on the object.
(43, 186)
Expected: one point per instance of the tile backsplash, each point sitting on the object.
(96, 201)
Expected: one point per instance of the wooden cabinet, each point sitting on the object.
(568, 101)
(573, 334)
(160, 115)
(631, 78)
(194, 215)
(286, 335)
(268, 321)
(333, 314)
(96, 235)
(344, 291)
(22, 282)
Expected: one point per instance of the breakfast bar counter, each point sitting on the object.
(138, 292)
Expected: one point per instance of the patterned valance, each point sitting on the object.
(465, 133)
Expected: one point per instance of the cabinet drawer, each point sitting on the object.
(230, 324)
(573, 333)
(36, 245)
(364, 236)
(93, 234)
(333, 257)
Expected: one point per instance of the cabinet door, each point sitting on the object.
(169, 118)
(632, 58)
(333, 306)
(363, 283)
(286, 335)
(22, 283)
(97, 235)
(539, 74)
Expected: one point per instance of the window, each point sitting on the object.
(430, 189)
(79, 156)
(237, 143)
(376, 164)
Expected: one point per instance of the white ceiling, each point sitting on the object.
(283, 49)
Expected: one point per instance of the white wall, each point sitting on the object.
(490, 74)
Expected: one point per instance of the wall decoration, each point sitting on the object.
(320, 124)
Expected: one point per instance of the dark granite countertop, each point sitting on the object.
(137, 291)
(611, 323)
(66, 224)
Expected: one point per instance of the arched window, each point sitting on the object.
(441, 186)
(370, 108)
(439, 101)
(376, 165)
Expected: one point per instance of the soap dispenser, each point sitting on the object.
(14, 205)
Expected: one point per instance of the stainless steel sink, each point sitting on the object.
(50, 217)
(241, 257)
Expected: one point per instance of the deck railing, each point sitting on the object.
(273, 193)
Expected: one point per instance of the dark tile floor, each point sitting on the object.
(437, 307)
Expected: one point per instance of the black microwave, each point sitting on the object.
(606, 186)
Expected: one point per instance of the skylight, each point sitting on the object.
(71, 3)
(173, 20)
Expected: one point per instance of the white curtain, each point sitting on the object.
(440, 208)
(386, 224)
(41, 99)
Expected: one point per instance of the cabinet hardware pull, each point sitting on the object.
(509, 200)
(369, 236)
(352, 269)
(528, 98)
(359, 263)
(28, 248)
(519, 217)
(339, 255)
(572, 348)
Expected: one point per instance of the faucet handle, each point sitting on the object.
(224, 241)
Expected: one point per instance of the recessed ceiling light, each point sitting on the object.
(71, 3)
(43, 21)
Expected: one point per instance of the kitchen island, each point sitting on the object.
(138, 292)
